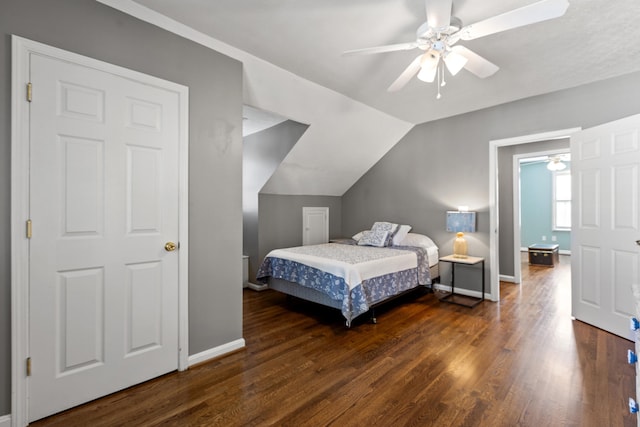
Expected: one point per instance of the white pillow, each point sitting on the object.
(418, 240)
(402, 232)
(374, 238)
(357, 236)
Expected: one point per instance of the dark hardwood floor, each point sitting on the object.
(519, 362)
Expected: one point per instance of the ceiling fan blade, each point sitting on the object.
(438, 14)
(536, 12)
(406, 75)
(381, 49)
(476, 63)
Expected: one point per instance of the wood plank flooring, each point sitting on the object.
(519, 362)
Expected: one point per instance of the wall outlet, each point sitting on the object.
(544, 238)
(553, 238)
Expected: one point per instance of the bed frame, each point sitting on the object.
(309, 294)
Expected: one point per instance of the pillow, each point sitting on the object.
(402, 232)
(374, 238)
(418, 240)
(386, 226)
(357, 236)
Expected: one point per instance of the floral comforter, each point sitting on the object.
(359, 276)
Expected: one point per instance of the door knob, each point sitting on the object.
(170, 247)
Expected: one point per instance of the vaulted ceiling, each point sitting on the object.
(303, 41)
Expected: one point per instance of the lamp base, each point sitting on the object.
(459, 246)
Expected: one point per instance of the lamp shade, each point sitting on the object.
(454, 62)
(461, 222)
(428, 68)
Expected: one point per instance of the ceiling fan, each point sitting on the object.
(555, 162)
(438, 37)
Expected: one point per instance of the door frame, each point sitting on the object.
(517, 205)
(494, 273)
(21, 51)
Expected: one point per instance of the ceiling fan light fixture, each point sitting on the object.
(556, 164)
(455, 62)
(427, 75)
(428, 68)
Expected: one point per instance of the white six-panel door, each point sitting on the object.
(104, 188)
(315, 225)
(605, 166)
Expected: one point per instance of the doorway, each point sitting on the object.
(498, 244)
(536, 217)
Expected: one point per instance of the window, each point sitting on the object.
(562, 200)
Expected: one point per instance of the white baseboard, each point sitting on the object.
(467, 292)
(5, 421)
(257, 287)
(221, 350)
(504, 278)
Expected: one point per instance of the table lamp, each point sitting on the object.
(460, 222)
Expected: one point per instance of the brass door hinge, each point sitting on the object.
(28, 366)
(29, 91)
(29, 229)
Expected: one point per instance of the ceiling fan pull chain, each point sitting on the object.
(440, 80)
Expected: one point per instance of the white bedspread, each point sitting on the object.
(351, 262)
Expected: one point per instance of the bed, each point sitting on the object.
(352, 276)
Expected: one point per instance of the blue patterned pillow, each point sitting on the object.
(386, 226)
(374, 238)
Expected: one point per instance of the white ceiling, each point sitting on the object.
(255, 120)
(594, 40)
(291, 51)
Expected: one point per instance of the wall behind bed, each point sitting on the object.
(280, 221)
(416, 182)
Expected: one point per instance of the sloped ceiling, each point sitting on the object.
(255, 120)
(293, 65)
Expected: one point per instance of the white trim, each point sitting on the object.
(494, 282)
(510, 279)
(218, 351)
(21, 51)
(5, 420)
(183, 232)
(256, 287)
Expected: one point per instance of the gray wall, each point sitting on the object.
(262, 154)
(215, 144)
(442, 164)
(505, 195)
(280, 222)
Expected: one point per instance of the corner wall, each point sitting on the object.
(262, 154)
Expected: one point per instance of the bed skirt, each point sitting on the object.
(310, 294)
